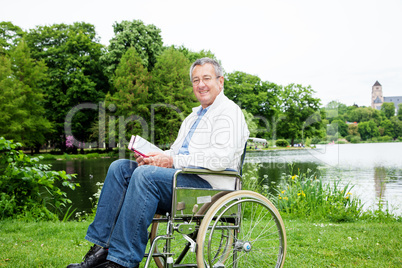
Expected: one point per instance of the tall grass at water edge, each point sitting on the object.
(305, 195)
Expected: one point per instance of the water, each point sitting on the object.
(375, 170)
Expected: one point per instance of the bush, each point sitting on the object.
(385, 138)
(307, 196)
(282, 143)
(27, 188)
(355, 139)
(315, 140)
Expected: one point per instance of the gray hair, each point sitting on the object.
(218, 68)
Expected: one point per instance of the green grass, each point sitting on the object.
(310, 244)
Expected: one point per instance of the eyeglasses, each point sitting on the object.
(205, 79)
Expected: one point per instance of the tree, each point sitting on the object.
(340, 127)
(335, 109)
(251, 124)
(193, 56)
(21, 98)
(364, 114)
(300, 113)
(397, 125)
(386, 128)
(388, 108)
(146, 39)
(368, 130)
(131, 98)
(71, 53)
(172, 96)
(10, 36)
(257, 97)
(399, 114)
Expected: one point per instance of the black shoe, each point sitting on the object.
(111, 264)
(95, 257)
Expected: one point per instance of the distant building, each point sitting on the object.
(377, 98)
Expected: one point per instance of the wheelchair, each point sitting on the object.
(217, 228)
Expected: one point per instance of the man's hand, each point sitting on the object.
(155, 159)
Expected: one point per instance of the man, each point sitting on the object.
(213, 136)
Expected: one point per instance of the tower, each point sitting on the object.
(376, 96)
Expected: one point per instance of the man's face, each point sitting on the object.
(206, 85)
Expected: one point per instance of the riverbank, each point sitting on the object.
(310, 244)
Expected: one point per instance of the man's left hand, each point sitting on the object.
(157, 159)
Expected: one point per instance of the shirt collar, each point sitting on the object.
(216, 102)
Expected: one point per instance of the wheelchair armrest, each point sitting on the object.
(203, 171)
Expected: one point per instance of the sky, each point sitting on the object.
(339, 48)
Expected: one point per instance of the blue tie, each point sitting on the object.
(184, 147)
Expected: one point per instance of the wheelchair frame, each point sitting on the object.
(218, 234)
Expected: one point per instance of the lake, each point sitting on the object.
(374, 169)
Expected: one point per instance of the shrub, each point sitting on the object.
(282, 143)
(305, 195)
(355, 139)
(27, 188)
(385, 138)
(315, 140)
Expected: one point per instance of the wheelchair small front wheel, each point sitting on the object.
(242, 229)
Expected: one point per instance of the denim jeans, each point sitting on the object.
(130, 197)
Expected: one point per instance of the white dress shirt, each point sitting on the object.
(217, 143)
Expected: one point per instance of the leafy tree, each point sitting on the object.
(335, 110)
(397, 125)
(399, 114)
(193, 56)
(364, 114)
(72, 54)
(386, 128)
(368, 130)
(131, 98)
(300, 113)
(251, 124)
(172, 96)
(146, 39)
(21, 98)
(388, 108)
(353, 130)
(340, 126)
(257, 97)
(10, 36)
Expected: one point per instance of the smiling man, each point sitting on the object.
(213, 136)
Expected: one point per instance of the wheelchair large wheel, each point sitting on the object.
(242, 229)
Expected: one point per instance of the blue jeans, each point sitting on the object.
(130, 197)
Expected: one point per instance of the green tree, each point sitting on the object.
(368, 130)
(340, 127)
(364, 114)
(300, 113)
(335, 110)
(21, 98)
(193, 56)
(257, 97)
(397, 125)
(131, 98)
(399, 114)
(172, 96)
(146, 39)
(10, 36)
(386, 128)
(388, 108)
(251, 124)
(71, 53)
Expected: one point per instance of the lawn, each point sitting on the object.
(310, 244)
